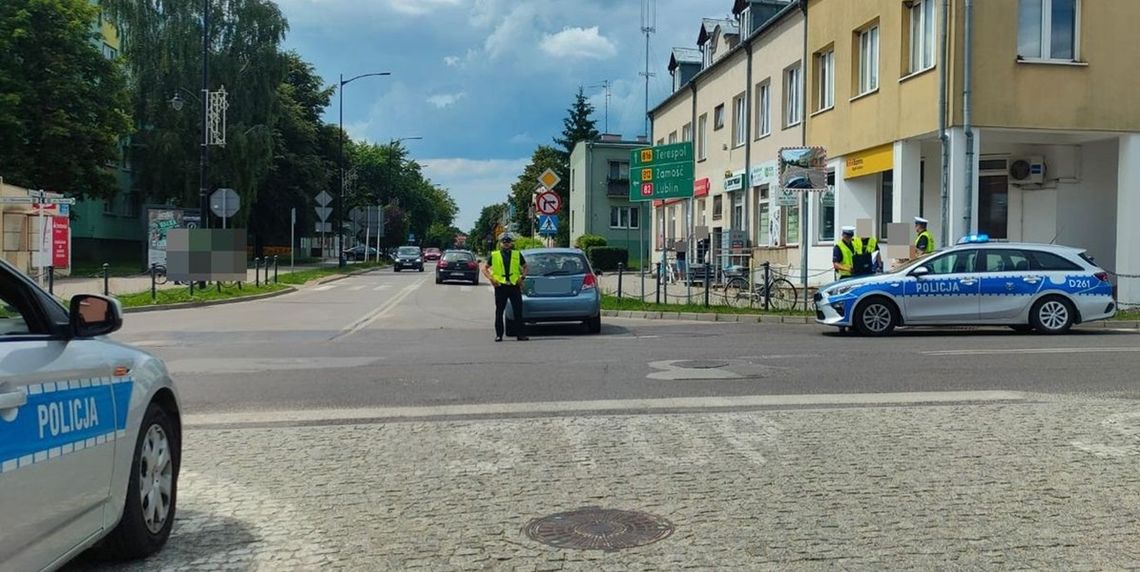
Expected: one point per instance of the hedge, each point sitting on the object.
(607, 258)
(588, 241)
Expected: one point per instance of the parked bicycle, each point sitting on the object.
(779, 292)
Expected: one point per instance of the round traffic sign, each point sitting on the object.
(548, 203)
(225, 203)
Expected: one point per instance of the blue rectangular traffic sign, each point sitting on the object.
(547, 224)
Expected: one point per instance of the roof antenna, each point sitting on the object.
(605, 84)
(648, 27)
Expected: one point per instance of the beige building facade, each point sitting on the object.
(1050, 149)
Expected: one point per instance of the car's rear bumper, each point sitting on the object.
(569, 308)
(467, 275)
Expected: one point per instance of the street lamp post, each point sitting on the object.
(340, 213)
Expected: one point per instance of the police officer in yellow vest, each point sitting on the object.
(924, 242)
(843, 255)
(505, 271)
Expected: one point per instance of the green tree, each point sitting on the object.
(522, 191)
(577, 126)
(386, 176)
(63, 106)
(162, 43)
(481, 236)
(304, 156)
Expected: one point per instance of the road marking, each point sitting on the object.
(381, 287)
(379, 312)
(600, 406)
(783, 356)
(356, 288)
(255, 365)
(326, 287)
(995, 352)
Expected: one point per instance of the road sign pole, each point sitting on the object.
(225, 219)
(292, 238)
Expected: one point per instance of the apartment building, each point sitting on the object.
(599, 195)
(731, 103)
(1050, 151)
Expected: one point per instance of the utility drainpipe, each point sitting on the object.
(747, 187)
(967, 113)
(943, 136)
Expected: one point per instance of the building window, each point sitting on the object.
(869, 60)
(718, 207)
(739, 120)
(825, 79)
(763, 109)
(687, 132)
(920, 16)
(672, 233)
(660, 142)
(619, 171)
(672, 137)
(109, 206)
(738, 210)
(745, 21)
(763, 215)
(793, 96)
(702, 137)
(826, 210)
(718, 117)
(791, 225)
(702, 215)
(624, 217)
(1048, 29)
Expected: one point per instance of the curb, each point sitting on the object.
(187, 305)
(710, 317)
(801, 320)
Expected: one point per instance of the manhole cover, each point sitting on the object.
(594, 528)
(700, 364)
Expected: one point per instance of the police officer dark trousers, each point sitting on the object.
(506, 270)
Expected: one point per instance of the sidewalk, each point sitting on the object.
(65, 288)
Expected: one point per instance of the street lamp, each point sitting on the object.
(340, 214)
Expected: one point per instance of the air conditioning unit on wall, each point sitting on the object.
(1027, 171)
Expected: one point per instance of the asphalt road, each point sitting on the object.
(373, 424)
(398, 339)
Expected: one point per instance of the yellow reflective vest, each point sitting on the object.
(499, 270)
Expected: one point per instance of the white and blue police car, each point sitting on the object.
(1028, 287)
(90, 433)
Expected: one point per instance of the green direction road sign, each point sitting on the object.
(662, 172)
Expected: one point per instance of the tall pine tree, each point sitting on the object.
(579, 125)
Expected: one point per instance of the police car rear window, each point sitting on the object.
(1047, 261)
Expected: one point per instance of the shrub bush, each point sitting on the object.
(587, 241)
(607, 258)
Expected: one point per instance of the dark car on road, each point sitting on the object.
(358, 253)
(410, 257)
(457, 265)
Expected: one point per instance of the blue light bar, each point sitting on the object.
(974, 239)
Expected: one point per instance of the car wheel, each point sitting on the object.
(421, 269)
(395, 268)
(1052, 315)
(1022, 328)
(438, 280)
(475, 282)
(594, 325)
(152, 491)
(875, 317)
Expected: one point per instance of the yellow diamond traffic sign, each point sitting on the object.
(549, 178)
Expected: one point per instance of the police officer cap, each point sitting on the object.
(920, 220)
(506, 238)
(849, 230)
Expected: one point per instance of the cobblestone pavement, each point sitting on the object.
(1038, 484)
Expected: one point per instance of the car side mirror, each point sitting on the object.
(92, 316)
(920, 272)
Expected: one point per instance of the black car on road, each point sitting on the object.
(457, 265)
(410, 257)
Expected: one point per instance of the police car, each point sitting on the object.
(1040, 287)
(90, 433)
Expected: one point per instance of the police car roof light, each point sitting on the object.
(974, 239)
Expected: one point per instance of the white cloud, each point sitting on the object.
(473, 183)
(579, 43)
(444, 100)
(451, 61)
(421, 7)
(516, 26)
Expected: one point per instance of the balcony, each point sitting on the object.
(617, 186)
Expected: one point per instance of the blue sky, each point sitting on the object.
(485, 81)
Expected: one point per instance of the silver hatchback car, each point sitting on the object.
(1040, 287)
(90, 433)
